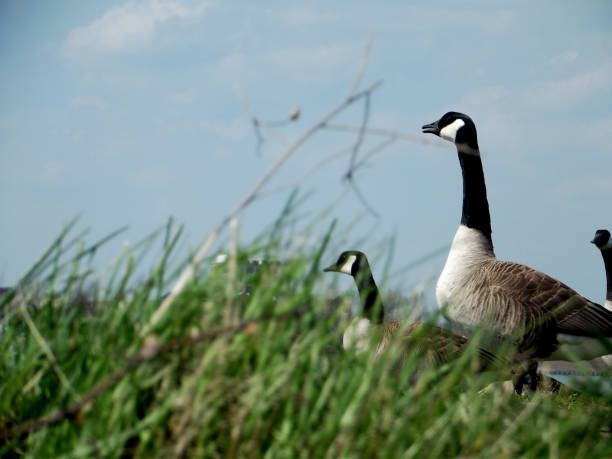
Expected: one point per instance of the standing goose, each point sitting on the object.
(542, 318)
(603, 242)
(439, 345)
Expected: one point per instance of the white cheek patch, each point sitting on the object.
(608, 245)
(450, 132)
(346, 267)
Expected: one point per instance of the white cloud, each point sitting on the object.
(566, 57)
(511, 116)
(491, 22)
(571, 91)
(129, 27)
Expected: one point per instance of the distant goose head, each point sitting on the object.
(355, 264)
(457, 128)
(602, 239)
(350, 262)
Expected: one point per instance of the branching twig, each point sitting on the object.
(190, 270)
(151, 350)
(320, 165)
(324, 162)
(258, 137)
(362, 198)
(377, 149)
(259, 123)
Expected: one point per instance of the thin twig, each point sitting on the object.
(320, 165)
(324, 162)
(150, 351)
(190, 270)
(363, 65)
(294, 114)
(383, 132)
(377, 149)
(362, 198)
(44, 346)
(258, 137)
(360, 135)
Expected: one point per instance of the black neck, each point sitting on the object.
(475, 212)
(607, 258)
(370, 299)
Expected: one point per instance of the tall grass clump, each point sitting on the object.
(246, 362)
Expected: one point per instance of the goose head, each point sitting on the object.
(350, 262)
(602, 239)
(455, 127)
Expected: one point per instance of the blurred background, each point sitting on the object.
(130, 112)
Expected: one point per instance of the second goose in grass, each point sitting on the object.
(438, 345)
(541, 317)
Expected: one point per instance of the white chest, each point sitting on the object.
(356, 336)
(469, 248)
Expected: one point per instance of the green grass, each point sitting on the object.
(228, 375)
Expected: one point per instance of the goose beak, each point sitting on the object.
(331, 268)
(593, 241)
(431, 128)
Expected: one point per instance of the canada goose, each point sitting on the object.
(442, 345)
(541, 317)
(603, 242)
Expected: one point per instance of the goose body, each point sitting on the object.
(542, 318)
(436, 344)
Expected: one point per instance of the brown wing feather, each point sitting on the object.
(438, 345)
(521, 300)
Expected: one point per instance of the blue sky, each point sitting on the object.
(128, 112)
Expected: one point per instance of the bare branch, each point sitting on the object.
(190, 270)
(259, 138)
(382, 132)
(320, 165)
(374, 151)
(294, 114)
(362, 198)
(363, 65)
(324, 162)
